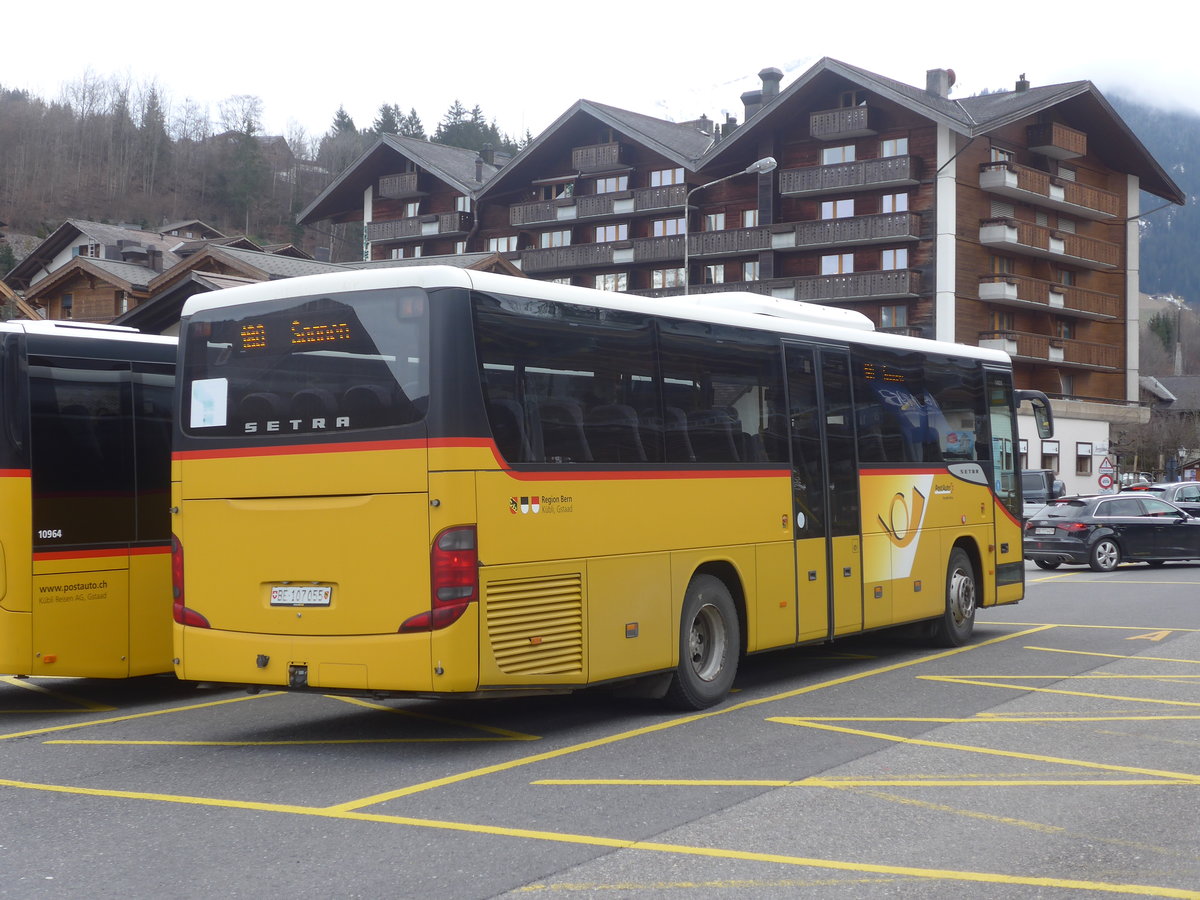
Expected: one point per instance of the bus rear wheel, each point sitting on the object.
(954, 628)
(709, 645)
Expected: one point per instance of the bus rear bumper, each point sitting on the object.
(388, 662)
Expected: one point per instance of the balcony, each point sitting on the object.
(399, 187)
(883, 228)
(841, 124)
(1039, 188)
(1056, 140)
(1047, 243)
(596, 157)
(1049, 296)
(578, 256)
(865, 175)
(439, 225)
(592, 206)
(901, 284)
(1027, 347)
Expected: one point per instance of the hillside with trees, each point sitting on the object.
(110, 151)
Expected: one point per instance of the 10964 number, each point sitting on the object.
(45, 533)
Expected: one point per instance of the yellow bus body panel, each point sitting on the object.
(81, 623)
(16, 542)
(812, 590)
(150, 612)
(775, 609)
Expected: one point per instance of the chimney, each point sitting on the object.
(939, 81)
(489, 154)
(753, 101)
(1022, 84)
(770, 83)
(730, 126)
(479, 168)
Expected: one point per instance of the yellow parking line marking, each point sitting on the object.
(1102, 627)
(414, 714)
(1193, 662)
(584, 887)
(663, 726)
(960, 679)
(988, 751)
(25, 684)
(627, 844)
(157, 712)
(848, 782)
(1152, 636)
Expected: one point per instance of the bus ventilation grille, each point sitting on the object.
(535, 625)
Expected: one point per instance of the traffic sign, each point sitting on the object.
(1106, 482)
(1106, 466)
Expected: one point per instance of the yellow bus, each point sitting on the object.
(431, 481)
(85, 539)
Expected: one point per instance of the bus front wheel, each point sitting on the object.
(954, 628)
(709, 645)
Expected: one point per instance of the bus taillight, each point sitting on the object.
(454, 581)
(181, 613)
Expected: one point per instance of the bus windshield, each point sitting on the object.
(308, 366)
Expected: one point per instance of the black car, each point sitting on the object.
(1108, 529)
(1184, 494)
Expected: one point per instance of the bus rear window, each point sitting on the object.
(307, 366)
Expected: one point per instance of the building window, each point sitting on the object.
(714, 222)
(891, 260)
(122, 302)
(1066, 173)
(837, 209)
(1083, 459)
(554, 239)
(664, 177)
(1067, 383)
(893, 317)
(1002, 321)
(397, 253)
(1000, 155)
(668, 227)
(615, 232)
(612, 281)
(750, 271)
(462, 204)
(1067, 225)
(1003, 265)
(894, 203)
(833, 155)
(566, 279)
(750, 218)
(417, 250)
(666, 278)
(1050, 455)
(852, 98)
(66, 304)
(460, 247)
(558, 191)
(1063, 329)
(506, 244)
(1023, 449)
(893, 147)
(714, 274)
(612, 184)
(412, 210)
(837, 264)
(1064, 276)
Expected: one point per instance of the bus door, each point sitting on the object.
(825, 507)
(1002, 421)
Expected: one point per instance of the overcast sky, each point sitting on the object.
(524, 64)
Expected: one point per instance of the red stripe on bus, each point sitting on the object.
(101, 554)
(644, 475)
(15, 473)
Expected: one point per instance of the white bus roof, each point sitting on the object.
(82, 330)
(741, 309)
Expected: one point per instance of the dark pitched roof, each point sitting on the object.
(127, 276)
(1186, 389)
(453, 165)
(1078, 103)
(71, 231)
(683, 144)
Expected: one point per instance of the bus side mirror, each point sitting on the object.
(1042, 415)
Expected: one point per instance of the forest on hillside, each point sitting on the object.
(111, 151)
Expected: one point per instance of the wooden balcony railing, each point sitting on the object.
(1047, 243)
(1021, 290)
(852, 230)
(1065, 351)
(836, 124)
(578, 256)
(420, 226)
(1056, 140)
(596, 156)
(397, 187)
(1043, 189)
(859, 286)
(738, 240)
(644, 200)
(867, 174)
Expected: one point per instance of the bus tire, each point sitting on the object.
(954, 627)
(709, 645)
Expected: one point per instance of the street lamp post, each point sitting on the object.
(758, 167)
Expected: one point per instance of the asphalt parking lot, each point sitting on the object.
(1054, 756)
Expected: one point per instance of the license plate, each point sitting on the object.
(1043, 531)
(301, 595)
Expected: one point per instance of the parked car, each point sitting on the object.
(1039, 487)
(1184, 494)
(1105, 530)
